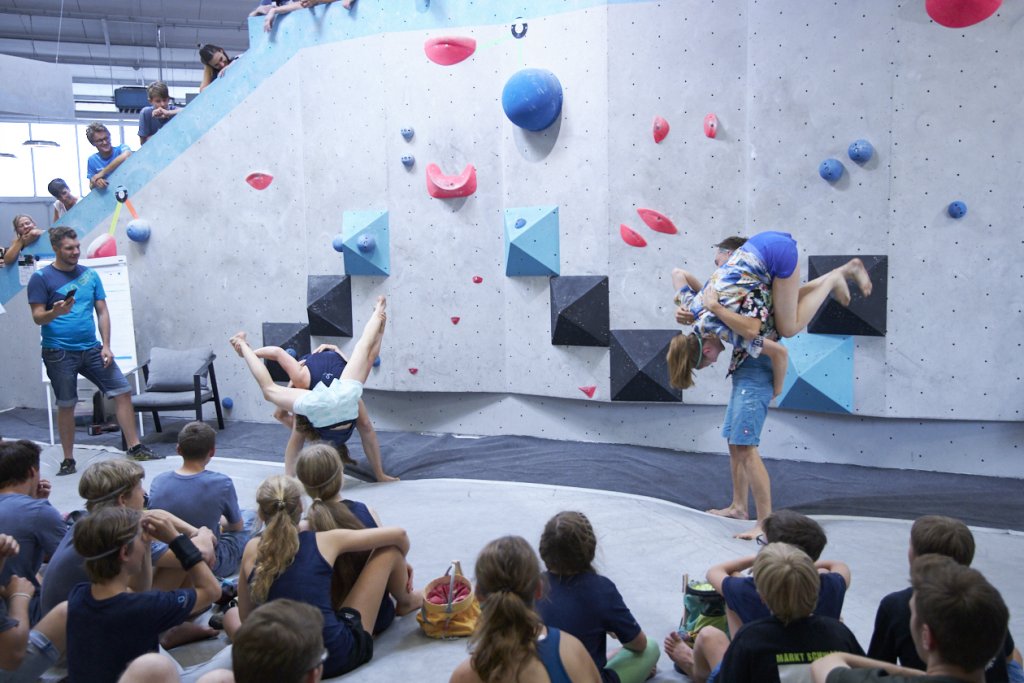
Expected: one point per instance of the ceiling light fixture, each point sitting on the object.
(40, 143)
(7, 155)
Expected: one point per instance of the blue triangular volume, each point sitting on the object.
(532, 241)
(820, 374)
(360, 228)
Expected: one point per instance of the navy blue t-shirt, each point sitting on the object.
(742, 597)
(105, 635)
(588, 606)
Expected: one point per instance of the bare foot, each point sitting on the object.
(380, 310)
(237, 341)
(347, 4)
(841, 290)
(750, 534)
(855, 269)
(730, 512)
(679, 652)
(385, 478)
(408, 604)
(188, 632)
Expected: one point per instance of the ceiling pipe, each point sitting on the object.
(160, 51)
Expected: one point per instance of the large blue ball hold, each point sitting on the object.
(532, 99)
(338, 243)
(139, 230)
(957, 209)
(831, 170)
(861, 151)
(366, 243)
(227, 402)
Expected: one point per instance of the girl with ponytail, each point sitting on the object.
(320, 469)
(287, 562)
(510, 644)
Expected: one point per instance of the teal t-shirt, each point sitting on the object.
(74, 331)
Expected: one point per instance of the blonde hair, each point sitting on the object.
(507, 575)
(279, 499)
(103, 483)
(787, 581)
(683, 357)
(99, 538)
(19, 217)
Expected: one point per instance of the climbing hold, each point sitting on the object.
(657, 222)
(831, 170)
(861, 151)
(376, 362)
(407, 133)
(413, 371)
(711, 125)
(520, 222)
(408, 160)
(441, 186)
(338, 243)
(631, 236)
(448, 50)
(101, 247)
(589, 390)
(138, 230)
(366, 243)
(291, 352)
(957, 209)
(455, 320)
(227, 402)
(121, 194)
(519, 28)
(660, 128)
(259, 181)
(477, 279)
(532, 99)
(961, 13)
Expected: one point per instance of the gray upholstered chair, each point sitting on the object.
(178, 380)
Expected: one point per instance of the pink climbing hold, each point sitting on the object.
(455, 320)
(413, 371)
(631, 236)
(657, 222)
(441, 186)
(101, 247)
(589, 391)
(711, 125)
(477, 279)
(448, 50)
(259, 181)
(961, 13)
(660, 128)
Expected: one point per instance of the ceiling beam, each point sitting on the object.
(240, 25)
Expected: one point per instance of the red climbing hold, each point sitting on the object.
(455, 320)
(413, 371)
(657, 222)
(961, 13)
(448, 50)
(631, 236)
(711, 125)
(101, 247)
(259, 181)
(589, 391)
(660, 128)
(441, 186)
(477, 279)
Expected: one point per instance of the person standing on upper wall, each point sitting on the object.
(63, 199)
(107, 157)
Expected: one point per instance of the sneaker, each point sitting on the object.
(140, 452)
(67, 467)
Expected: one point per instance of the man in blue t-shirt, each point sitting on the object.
(107, 157)
(63, 297)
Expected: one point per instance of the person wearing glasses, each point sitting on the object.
(107, 157)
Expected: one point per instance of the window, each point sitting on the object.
(16, 173)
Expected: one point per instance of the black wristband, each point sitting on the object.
(186, 551)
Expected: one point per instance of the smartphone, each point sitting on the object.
(71, 294)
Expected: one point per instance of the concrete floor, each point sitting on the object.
(644, 545)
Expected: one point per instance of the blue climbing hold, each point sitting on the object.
(831, 170)
(520, 222)
(291, 352)
(376, 362)
(861, 151)
(957, 209)
(407, 133)
(338, 243)
(366, 243)
(227, 402)
(532, 99)
(138, 230)
(408, 160)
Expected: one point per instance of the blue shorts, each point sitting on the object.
(752, 391)
(714, 673)
(777, 250)
(40, 655)
(63, 368)
(229, 552)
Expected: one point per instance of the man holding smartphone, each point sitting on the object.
(63, 297)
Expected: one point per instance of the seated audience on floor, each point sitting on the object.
(109, 623)
(201, 497)
(107, 157)
(158, 113)
(63, 199)
(25, 233)
(321, 472)
(510, 642)
(26, 514)
(958, 622)
(892, 640)
(582, 602)
(25, 653)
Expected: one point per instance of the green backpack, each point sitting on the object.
(702, 606)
